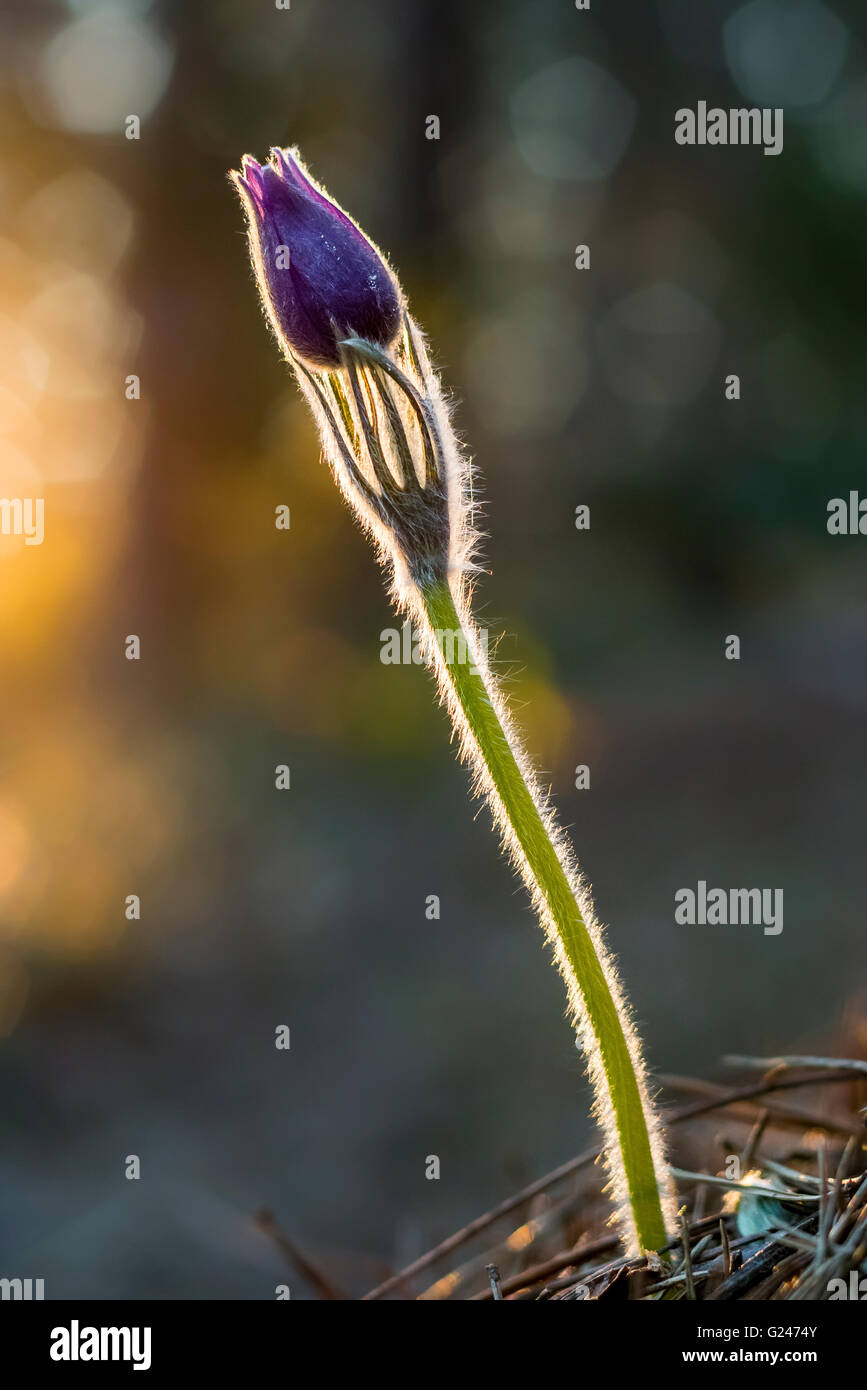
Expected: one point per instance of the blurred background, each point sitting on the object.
(409, 1037)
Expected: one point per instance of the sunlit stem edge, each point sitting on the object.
(622, 1103)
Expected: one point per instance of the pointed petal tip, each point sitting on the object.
(252, 170)
(288, 165)
(280, 157)
(249, 181)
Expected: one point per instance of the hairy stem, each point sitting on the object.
(634, 1154)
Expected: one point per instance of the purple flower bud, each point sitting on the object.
(321, 279)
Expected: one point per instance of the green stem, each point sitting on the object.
(580, 962)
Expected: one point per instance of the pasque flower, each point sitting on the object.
(322, 280)
(362, 364)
